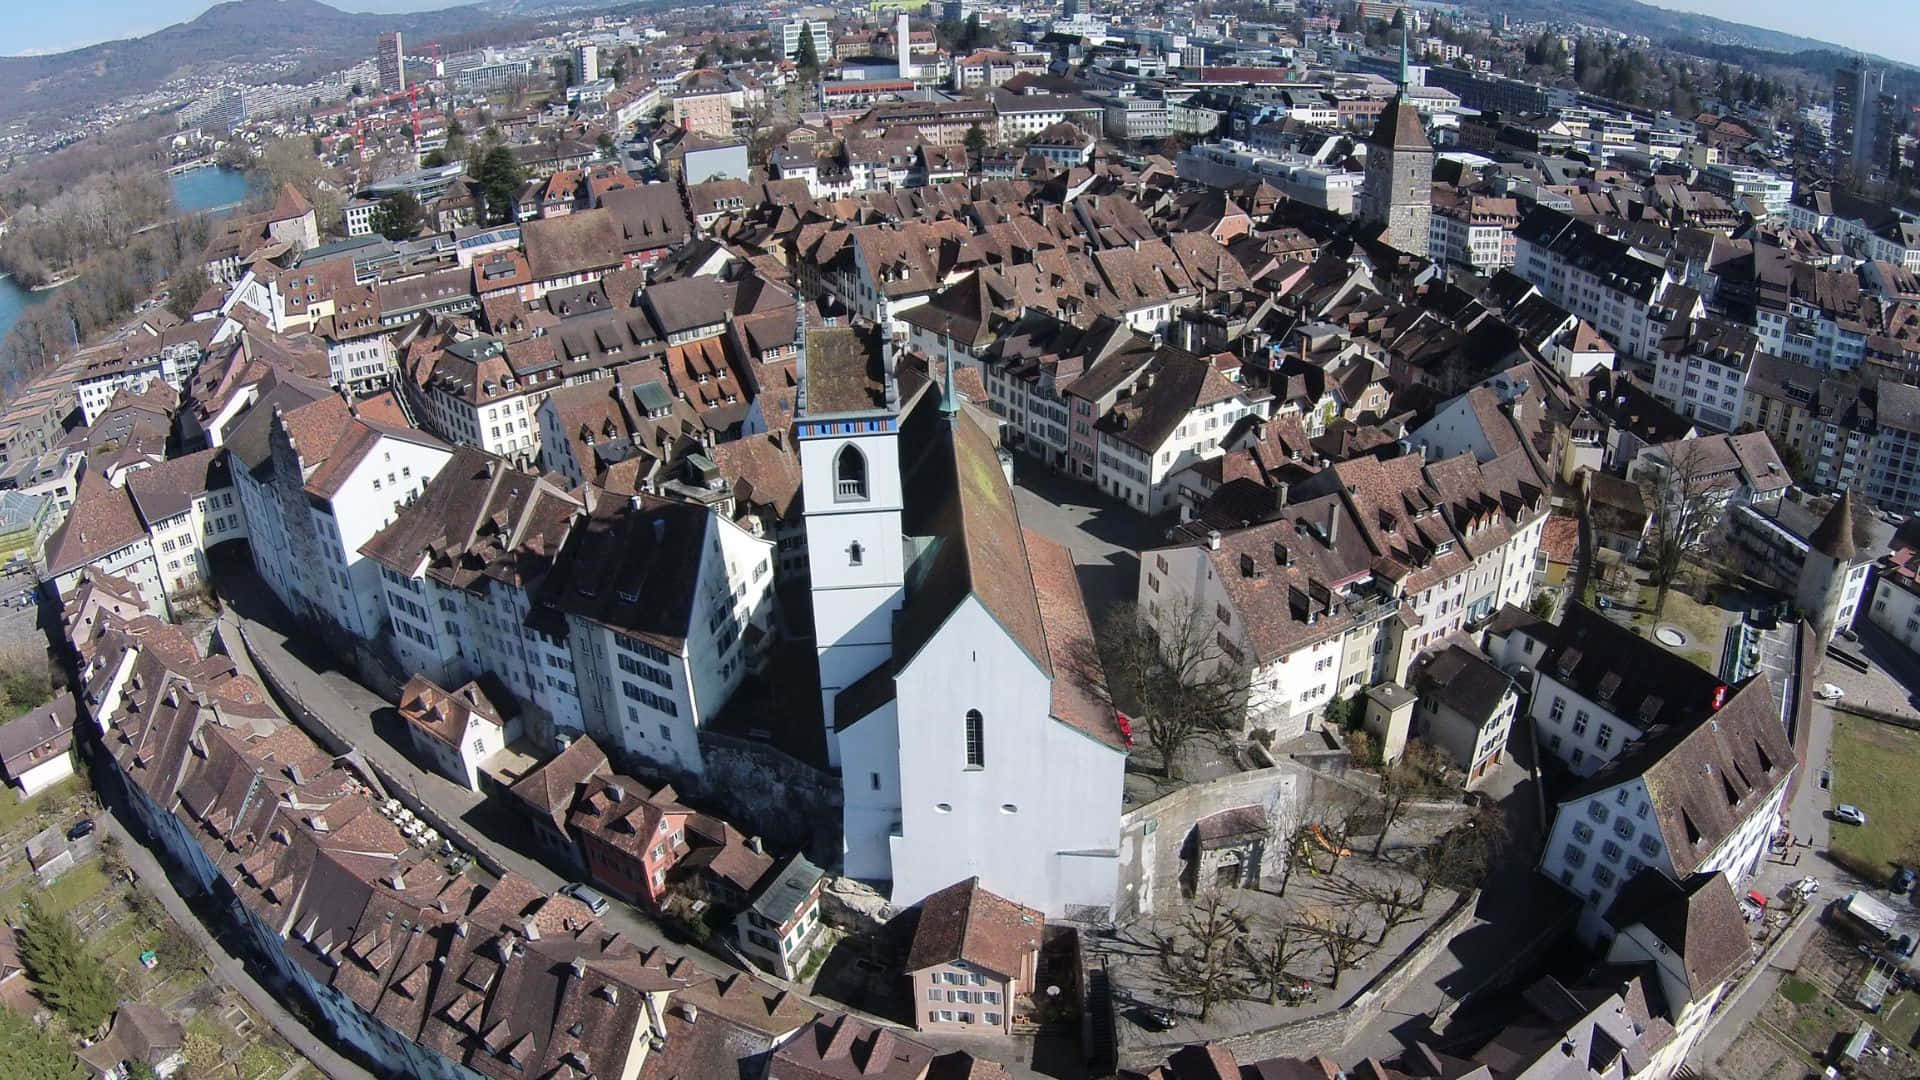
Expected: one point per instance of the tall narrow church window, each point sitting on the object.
(976, 740)
(850, 474)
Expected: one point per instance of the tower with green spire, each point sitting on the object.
(1396, 195)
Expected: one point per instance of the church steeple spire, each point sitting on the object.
(949, 399)
(1403, 57)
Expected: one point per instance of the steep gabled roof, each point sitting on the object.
(967, 923)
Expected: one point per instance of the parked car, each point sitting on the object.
(1850, 814)
(81, 828)
(595, 902)
(1902, 879)
(1829, 692)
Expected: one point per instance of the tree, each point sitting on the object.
(1395, 905)
(29, 1052)
(976, 140)
(72, 981)
(1342, 933)
(433, 159)
(1421, 770)
(398, 216)
(139, 1069)
(604, 142)
(1541, 606)
(498, 177)
(1273, 952)
(972, 36)
(807, 57)
(1175, 678)
(1461, 857)
(1685, 502)
(1196, 963)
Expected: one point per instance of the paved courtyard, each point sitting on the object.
(1104, 535)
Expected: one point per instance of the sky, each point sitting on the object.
(1882, 27)
(37, 26)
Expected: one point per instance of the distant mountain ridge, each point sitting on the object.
(1658, 23)
(240, 31)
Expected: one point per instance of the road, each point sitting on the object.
(371, 725)
(226, 968)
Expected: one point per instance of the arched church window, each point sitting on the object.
(976, 740)
(850, 474)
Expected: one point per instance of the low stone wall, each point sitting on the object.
(1152, 836)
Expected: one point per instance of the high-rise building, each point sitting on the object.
(586, 63)
(786, 36)
(1861, 115)
(392, 62)
(903, 45)
(1397, 191)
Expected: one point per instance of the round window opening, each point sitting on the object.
(945, 808)
(1009, 808)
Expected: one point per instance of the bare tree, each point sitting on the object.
(1273, 952)
(1685, 499)
(1175, 676)
(1199, 965)
(1335, 823)
(1423, 770)
(1395, 905)
(1460, 858)
(1342, 933)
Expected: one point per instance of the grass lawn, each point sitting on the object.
(1876, 768)
(1705, 626)
(1799, 991)
(13, 811)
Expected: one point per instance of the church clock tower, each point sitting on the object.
(1396, 195)
(847, 422)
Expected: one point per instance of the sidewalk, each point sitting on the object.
(228, 969)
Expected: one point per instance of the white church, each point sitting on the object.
(970, 734)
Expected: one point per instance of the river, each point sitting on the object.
(200, 189)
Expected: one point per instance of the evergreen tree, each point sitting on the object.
(807, 59)
(28, 1053)
(398, 217)
(498, 177)
(976, 140)
(973, 35)
(67, 977)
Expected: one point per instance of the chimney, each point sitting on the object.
(1280, 488)
(397, 879)
(1213, 539)
(618, 792)
(531, 928)
(691, 1011)
(753, 843)
(654, 1023)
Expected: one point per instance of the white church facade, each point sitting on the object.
(962, 709)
